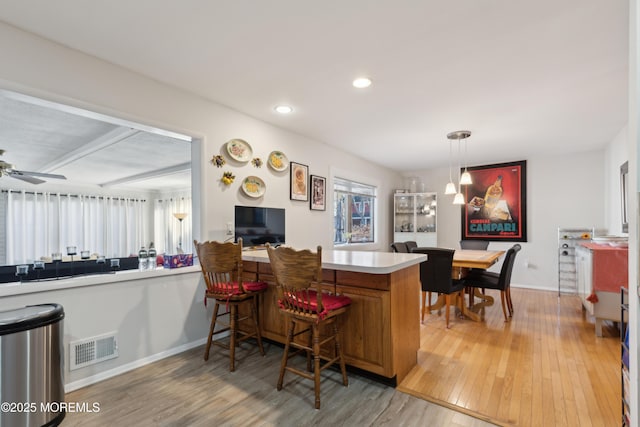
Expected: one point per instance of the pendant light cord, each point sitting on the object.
(450, 152)
(459, 187)
(465, 154)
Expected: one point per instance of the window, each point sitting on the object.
(171, 235)
(38, 224)
(353, 212)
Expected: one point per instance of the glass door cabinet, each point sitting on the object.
(414, 218)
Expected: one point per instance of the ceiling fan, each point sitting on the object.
(7, 169)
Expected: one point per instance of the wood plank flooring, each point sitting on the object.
(544, 368)
(184, 390)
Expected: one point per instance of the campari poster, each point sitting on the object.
(496, 203)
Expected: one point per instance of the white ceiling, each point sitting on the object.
(525, 77)
(88, 148)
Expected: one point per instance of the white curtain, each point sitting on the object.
(39, 224)
(169, 231)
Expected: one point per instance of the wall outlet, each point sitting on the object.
(229, 229)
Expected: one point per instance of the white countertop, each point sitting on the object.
(17, 288)
(358, 261)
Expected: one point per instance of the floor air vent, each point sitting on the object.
(93, 350)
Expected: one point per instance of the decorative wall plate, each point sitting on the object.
(278, 161)
(253, 186)
(239, 150)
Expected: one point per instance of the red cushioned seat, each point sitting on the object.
(308, 300)
(233, 288)
(254, 286)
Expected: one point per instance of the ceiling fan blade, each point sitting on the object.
(43, 175)
(27, 178)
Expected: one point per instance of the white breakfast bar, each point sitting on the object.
(381, 330)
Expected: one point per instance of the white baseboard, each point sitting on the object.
(536, 288)
(131, 366)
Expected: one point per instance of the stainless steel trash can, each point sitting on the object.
(31, 366)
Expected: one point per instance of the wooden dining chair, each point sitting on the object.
(303, 302)
(435, 276)
(221, 265)
(502, 282)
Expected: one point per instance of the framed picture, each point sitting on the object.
(318, 193)
(299, 176)
(496, 203)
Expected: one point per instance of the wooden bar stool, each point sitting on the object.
(301, 300)
(221, 265)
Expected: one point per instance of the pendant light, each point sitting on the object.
(465, 178)
(451, 187)
(459, 197)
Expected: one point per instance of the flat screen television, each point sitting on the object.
(258, 226)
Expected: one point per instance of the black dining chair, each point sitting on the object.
(399, 247)
(502, 282)
(435, 276)
(480, 245)
(411, 245)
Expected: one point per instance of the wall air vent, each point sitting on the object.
(92, 350)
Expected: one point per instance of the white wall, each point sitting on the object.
(560, 193)
(151, 316)
(304, 228)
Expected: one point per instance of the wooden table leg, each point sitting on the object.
(441, 302)
(487, 300)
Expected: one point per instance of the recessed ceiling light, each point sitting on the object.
(362, 82)
(283, 109)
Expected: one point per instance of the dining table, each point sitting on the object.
(463, 261)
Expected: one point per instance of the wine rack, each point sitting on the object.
(568, 238)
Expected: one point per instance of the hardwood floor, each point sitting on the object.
(544, 368)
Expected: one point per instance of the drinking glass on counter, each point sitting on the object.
(102, 262)
(85, 255)
(38, 266)
(22, 270)
(71, 251)
(56, 258)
